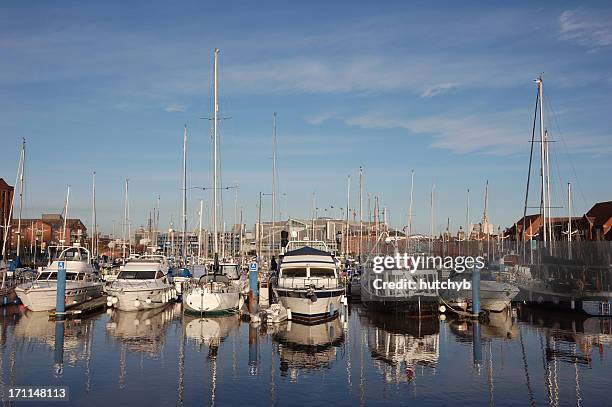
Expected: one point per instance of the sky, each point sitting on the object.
(446, 91)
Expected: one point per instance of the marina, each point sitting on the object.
(335, 204)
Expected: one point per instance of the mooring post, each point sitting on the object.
(253, 350)
(476, 344)
(476, 292)
(254, 289)
(59, 346)
(60, 298)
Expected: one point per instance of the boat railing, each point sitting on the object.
(307, 282)
(140, 284)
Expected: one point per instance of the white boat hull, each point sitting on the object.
(201, 300)
(42, 296)
(139, 300)
(179, 284)
(302, 307)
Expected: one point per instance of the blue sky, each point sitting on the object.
(446, 91)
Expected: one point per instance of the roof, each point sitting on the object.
(57, 223)
(600, 213)
(307, 251)
(4, 185)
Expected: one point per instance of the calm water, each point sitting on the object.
(165, 358)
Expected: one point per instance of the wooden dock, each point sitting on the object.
(79, 310)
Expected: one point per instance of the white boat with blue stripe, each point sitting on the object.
(309, 285)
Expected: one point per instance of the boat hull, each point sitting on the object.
(494, 296)
(202, 301)
(139, 300)
(42, 297)
(326, 305)
(539, 295)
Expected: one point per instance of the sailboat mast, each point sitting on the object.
(22, 161)
(125, 218)
(93, 216)
(569, 220)
(431, 226)
(348, 211)
(273, 180)
(360, 214)
(546, 154)
(215, 152)
(542, 162)
(7, 222)
(184, 188)
(410, 208)
(235, 219)
(66, 219)
(200, 231)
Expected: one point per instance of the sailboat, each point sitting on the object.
(582, 282)
(181, 275)
(217, 291)
(13, 269)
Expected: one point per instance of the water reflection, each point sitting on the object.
(142, 331)
(403, 345)
(497, 325)
(307, 347)
(529, 357)
(570, 338)
(34, 328)
(210, 331)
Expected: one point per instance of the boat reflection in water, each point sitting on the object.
(497, 325)
(570, 338)
(210, 331)
(142, 331)
(35, 327)
(402, 346)
(307, 347)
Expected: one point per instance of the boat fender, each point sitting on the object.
(148, 300)
(136, 303)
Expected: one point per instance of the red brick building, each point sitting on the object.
(596, 224)
(48, 231)
(6, 199)
(599, 221)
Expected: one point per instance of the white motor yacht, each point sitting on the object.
(82, 282)
(141, 284)
(308, 285)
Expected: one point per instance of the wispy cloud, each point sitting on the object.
(175, 107)
(438, 89)
(499, 134)
(317, 119)
(586, 28)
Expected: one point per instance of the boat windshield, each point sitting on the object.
(293, 272)
(47, 276)
(230, 270)
(322, 273)
(137, 275)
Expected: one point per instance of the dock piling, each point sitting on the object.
(60, 299)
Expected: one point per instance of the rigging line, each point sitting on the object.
(529, 171)
(557, 192)
(569, 157)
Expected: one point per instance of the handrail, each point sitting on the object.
(306, 282)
